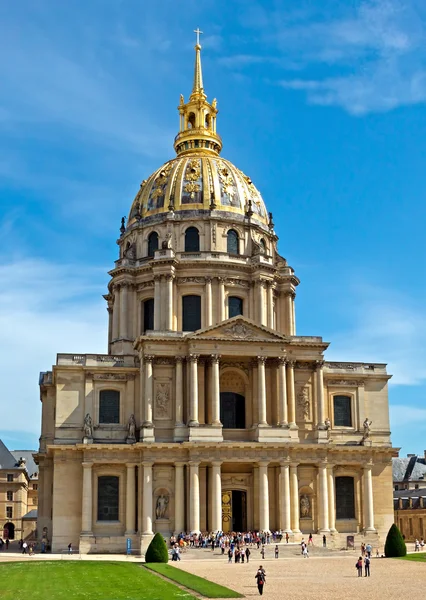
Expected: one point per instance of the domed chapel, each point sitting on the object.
(209, 412)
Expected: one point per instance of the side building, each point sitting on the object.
(208, 411)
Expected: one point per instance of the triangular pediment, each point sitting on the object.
(238, 329)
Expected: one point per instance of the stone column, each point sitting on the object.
(282, 392)
(124, 311)
(116, 313)
(147, 499)
(221, 300)
(193, 401)
(110, 319)
(209, 308)
(291, 395)
(149, 390)
(285, 496)
(294, 493)
(179, 498)
(130, 499)
(157, 302)
(179, 392)
(261, 389)
(263, 496)
(216, 497)
(270, 296)
(194, 497)
(215, 389)
(368, 499)
(169, 302)
(323, 499)
(331, 499)
(87, 499)
(261, 310)
(320, 393)
(288, 313)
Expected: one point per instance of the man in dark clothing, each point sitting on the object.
(367, 566)
(324, 541)
(261, 579)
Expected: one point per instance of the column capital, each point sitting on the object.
(282, 360)
(319, 364)
(147, 463)
(169, 277)
(194, 463)
(263, 463)
(179, 463)
(261, 359)
(130, 465)
(291, 363)
(215, 357)
(289, 293)
(294, 465)
(148, 358)
(157, 278)
(179, 359)
(368, 466)
(208, 279)
(285, 462)
(221, 279)
(330, 467)
(216, 463)
(193, 358)
(87, 465)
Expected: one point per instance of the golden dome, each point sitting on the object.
(198, 178)
(198, 182)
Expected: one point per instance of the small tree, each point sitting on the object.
(395, 545)
(157, 550)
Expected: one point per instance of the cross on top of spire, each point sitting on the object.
(198, 33)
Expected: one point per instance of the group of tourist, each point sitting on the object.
(419, 545)
(225, 540)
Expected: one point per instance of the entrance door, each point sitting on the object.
(232, 410)
(234, 511)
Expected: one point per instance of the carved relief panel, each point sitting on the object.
(163, 399)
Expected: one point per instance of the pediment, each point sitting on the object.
(239, 329)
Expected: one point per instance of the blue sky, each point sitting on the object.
(321, 102)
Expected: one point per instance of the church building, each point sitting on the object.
(208, 412)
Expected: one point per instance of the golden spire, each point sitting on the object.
(198, 88)
(197, 127)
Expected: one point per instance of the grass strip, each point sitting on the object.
(193, 582)
(417, 557)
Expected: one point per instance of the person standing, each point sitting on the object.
(367, 566)
(248, 554)
(310, 540)
(324, 541)
(230, 553)
(262, 553)
(358, 566)
(287, 537)
(276, 551)
(70, 548)
(368, 550)
(24, 547)
(261, 579)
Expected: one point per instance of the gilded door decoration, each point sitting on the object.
(226, 511)
(303, 404)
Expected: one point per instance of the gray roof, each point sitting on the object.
(32, 468)
(409, 493)
(7, 460)
(30, 516)
(412, 468)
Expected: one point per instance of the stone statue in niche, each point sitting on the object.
(131, 430)
(167, 242)
(130, 251)
(327, 423)
(161, 507)
(305, 507)
(303, 403)
(367, 429)
(88, 429)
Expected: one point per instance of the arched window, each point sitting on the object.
(208, 121)
(191, 313)
(152, 243)
(233, 242)
(109, 406)
(345, 498)
(232, 410)
(191, 121)
(108, 491)
(235, 306)
(192, 240)
(148, 314)
(342, 411)
(263, 245)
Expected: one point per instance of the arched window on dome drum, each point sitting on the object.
(192, 240)
(345, 498)
(148, 315)
(152, 243)
(235, 306)
(109, 406)
(342, 411)
(191, 121)
(232, 243)
(263, 244)
(232, 410)
(191, 313)
(108, 494)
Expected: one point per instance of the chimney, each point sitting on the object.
(412, 455)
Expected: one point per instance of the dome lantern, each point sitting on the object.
(197, 117)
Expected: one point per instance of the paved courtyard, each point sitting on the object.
(333, 577)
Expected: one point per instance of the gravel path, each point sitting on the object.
(333, 578)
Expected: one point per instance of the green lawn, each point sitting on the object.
(416, 557)
(193, 582)
(83, 580)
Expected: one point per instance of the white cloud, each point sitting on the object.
(402, 415)
(385, 327)
(45, 308)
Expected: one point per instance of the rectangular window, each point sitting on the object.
(109, 406)
(148, 315)
(191, 313)
(342, 411)
(9, 512)
(345, 498)
(235, 306)
(34, 500)
(35, 486)
(108, 489)
(410, 524)
(9, 496)
(10, 477)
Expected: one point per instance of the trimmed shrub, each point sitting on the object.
(395, 545)
(157, 550)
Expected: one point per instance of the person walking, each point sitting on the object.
(276, 551)
(24, 547)
(310, 540)
(262, 553)
(261, 579)
(248, 554)
(287, 537)
(358, 566)
(305, 551)
(367, 566)
(70, 548)
(230, 553)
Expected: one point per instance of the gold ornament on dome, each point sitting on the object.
(192, 188)
(193, 170)
(227, 181)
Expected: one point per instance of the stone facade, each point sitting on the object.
(208, 412)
